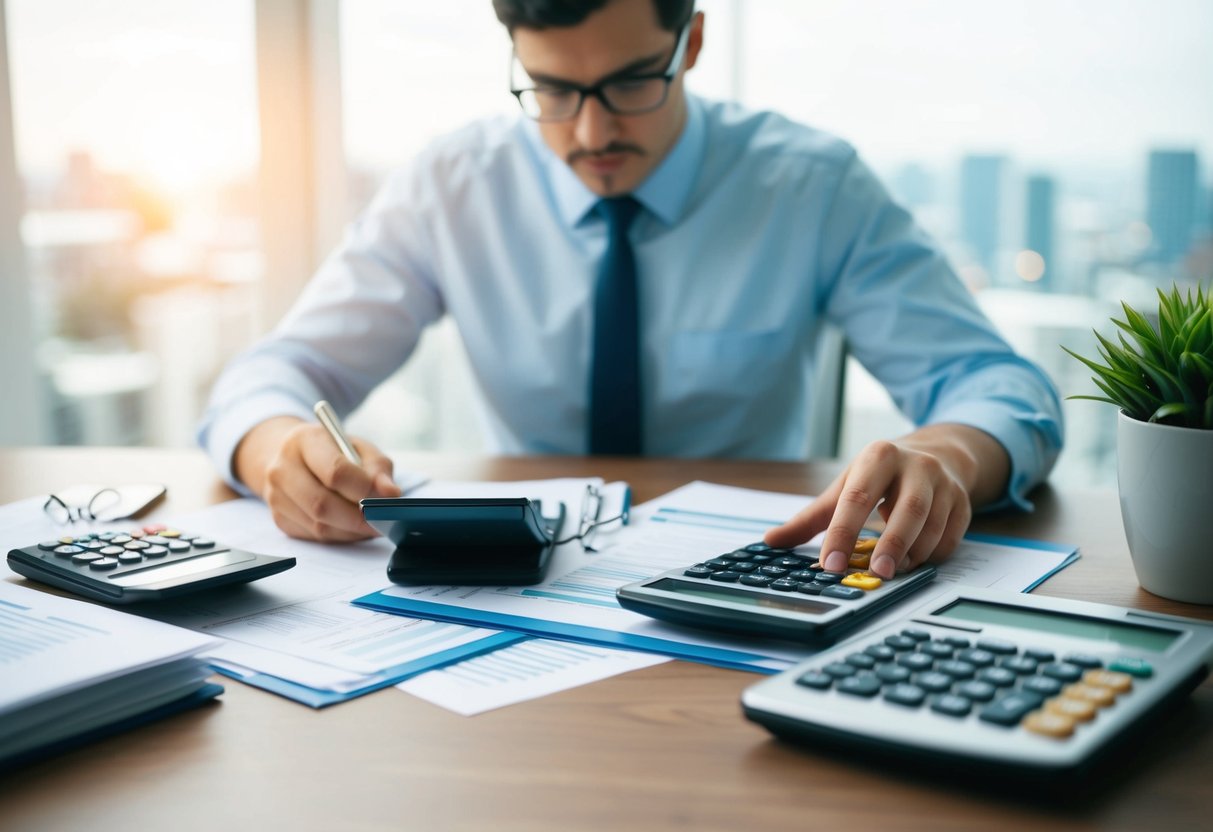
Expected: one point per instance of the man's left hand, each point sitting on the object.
(925, 486)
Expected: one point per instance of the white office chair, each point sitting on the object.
(826, 404)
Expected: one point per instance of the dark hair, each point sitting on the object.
(540, 14)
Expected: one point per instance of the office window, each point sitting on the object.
(1060, 152)
(135, 124)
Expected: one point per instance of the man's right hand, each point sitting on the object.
(311, 488)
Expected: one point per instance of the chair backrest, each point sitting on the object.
(826, 404)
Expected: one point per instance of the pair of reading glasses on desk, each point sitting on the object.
(65, 513)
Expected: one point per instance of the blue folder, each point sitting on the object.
(201, 696)
(320, 698)
(599, 637)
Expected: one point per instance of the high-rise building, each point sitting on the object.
(1172, 191)
(980, 203)
(1039, 225)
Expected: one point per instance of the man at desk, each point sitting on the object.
(635, 270)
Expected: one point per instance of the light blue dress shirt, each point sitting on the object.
(755, 230)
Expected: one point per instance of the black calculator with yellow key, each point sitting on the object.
(991, 682)
(774, 593)
(142, 564)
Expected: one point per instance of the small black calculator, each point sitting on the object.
(775, 593)
(143, 564)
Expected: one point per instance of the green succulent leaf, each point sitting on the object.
(1168, 410)
(1143, 333)
(1164, 373)
(1168, 385)
(1199, 335)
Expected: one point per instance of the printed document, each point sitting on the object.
(533, 668)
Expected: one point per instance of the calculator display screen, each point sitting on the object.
(1045, 621)
(740, 596)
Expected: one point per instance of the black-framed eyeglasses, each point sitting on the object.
(592, 521)
(63, 513)
(630, 95)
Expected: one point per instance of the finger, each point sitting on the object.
(299, 532)
(809, 521)
(291, 527)
(379, 466)
(296, 522)
(867, 483)
(332, 469)
(321, 530)
(325, 514)
(932, 531)
(953, 533)
(911, 508)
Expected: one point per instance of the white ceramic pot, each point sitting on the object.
(1166, 501)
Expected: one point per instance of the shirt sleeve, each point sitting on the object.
(912, 323)
(357, 320)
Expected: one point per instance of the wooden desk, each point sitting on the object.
(658, 748)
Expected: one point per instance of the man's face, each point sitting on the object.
(612, 154)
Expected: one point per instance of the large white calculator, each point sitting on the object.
(1019, 684)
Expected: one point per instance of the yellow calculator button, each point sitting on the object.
(860, 561)
(1049, 724)
(1114, 681)
(861, 580)
(1079, 710)
(1099, 697)
(865, 545)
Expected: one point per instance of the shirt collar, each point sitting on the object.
(664, 192)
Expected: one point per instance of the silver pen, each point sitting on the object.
(328, 417)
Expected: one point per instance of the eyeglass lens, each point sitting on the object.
(61, 512)
(624, 97)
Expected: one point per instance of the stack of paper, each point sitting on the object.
(74, 671)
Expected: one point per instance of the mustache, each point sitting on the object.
(612, 148)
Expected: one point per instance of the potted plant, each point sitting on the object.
(1161, 378)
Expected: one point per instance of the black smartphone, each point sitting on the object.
(505, 541)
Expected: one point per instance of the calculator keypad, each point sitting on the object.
(106, 551)
(786, 571)
(994, 681)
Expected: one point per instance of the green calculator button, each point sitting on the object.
(1134, 667)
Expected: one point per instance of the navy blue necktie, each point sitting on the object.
(615, 372)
